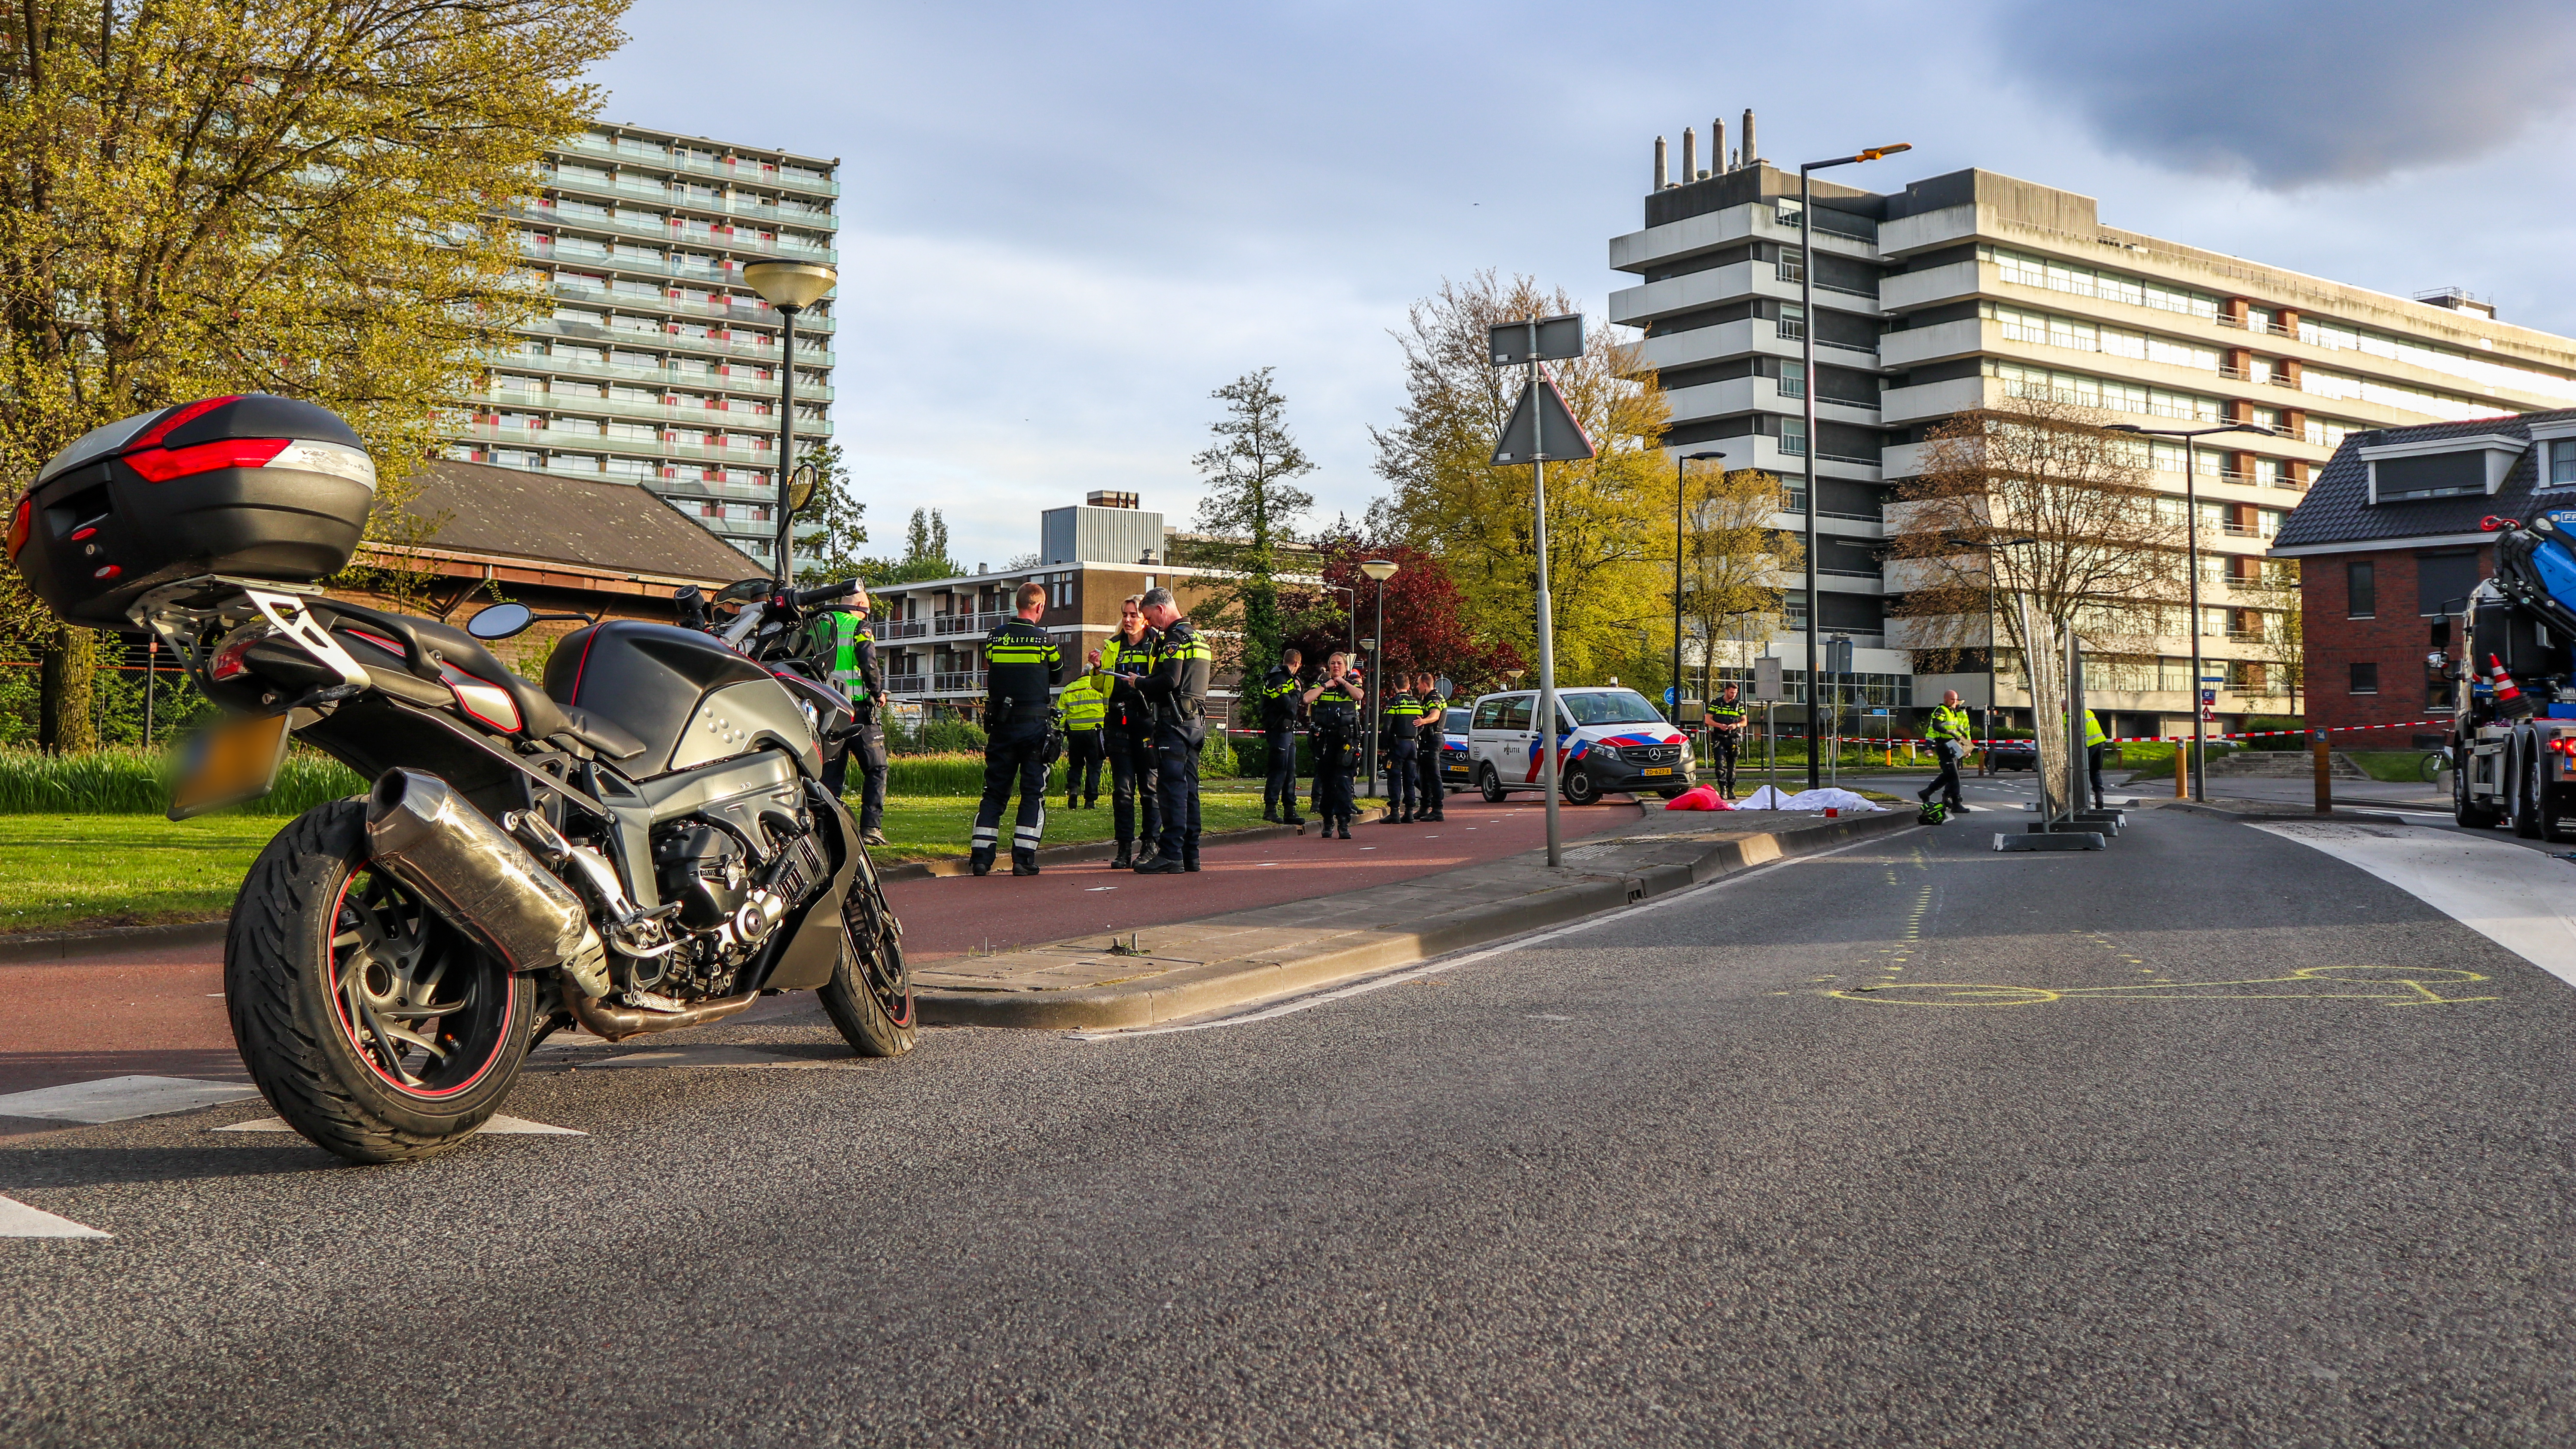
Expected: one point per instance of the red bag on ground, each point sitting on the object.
(1698, 797)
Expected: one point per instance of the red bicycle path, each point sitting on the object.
(160, 1011)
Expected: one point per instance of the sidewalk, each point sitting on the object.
(1190, 968)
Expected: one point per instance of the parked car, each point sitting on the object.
(2013, 755)
(1457, 763)
(1612, 740)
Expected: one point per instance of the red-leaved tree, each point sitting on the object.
(1426, 626)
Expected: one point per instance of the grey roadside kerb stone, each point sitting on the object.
(1194, 967)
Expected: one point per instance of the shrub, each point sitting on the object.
(1216, 757)
(133, 781)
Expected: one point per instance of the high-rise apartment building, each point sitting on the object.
(1967, 289)
(658, 365)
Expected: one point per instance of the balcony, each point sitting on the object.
(601, 334)
(692, 414)
(960, 682)
(890, 630)
(700, 165)
(660, 193)
(907, 684)
(580, 366)
(750, 311)
(721, 269)
(662, 232)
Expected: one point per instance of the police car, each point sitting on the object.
(1612, 738)
(1457, 765)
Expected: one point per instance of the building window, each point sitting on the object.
(1793, 437)
(1793, 379)
(2443, 581)
(1792, 265)
(2360, 591)
(1792, 324)
(2562, 462)
(2365, 679)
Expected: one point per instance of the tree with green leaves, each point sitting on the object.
(1251, 509)
(839, 518)
(199, 198)
(925, 554)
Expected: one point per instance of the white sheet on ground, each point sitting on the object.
(1770, 798)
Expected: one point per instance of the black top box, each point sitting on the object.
(254, 486)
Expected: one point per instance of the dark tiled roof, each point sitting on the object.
(2338, 507)
(598, 523)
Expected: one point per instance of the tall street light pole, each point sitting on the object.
(1381, 570)
(791, 287)
(1807, 386)
(2191, 535)
(1678, 464)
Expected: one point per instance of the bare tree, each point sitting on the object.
(2035, 516)
(1733, 562)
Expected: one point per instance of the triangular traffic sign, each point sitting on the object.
(1564, 439)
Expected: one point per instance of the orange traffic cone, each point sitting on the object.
(2508, 698)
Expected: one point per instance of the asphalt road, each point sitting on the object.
(2209, 1139)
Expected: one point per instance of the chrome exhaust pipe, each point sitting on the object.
(617, 1023)
(479, 880)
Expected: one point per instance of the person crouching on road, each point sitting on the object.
(1128, 735)
(1280, 705)
(1399, 734)
(1334, 704)
(1434, 732)
(1020, 663)
(1949, 732)
(1085, 703)
(841, 641)
(1177, 688)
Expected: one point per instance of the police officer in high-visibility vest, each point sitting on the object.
(1399, 734)
(2095, 741)
(1435, 713)
(840, 641)
(1177, 687)
(1085, 703)
(1128, 734)
(1950, 733)
(1277, 696)
(1725, 739)
(1020, 665)
(1334, 704)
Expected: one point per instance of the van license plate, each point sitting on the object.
(232, 762)
(1657, 770)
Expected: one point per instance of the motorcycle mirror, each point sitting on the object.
(500, 621)
(801, 487)
(743, 591)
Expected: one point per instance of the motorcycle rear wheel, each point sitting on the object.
(869, 997)
(374, 1028)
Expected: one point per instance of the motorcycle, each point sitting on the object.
(642, 844)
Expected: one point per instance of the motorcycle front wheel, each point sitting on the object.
(372, 1026)
(869, 997)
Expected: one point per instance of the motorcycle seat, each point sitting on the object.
(604, 736)
(539, 716)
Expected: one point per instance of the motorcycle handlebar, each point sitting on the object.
(825, 593)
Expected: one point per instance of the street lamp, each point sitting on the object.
(1807, 360)
(1677, 571)
(2191, 535)
(791, 287)
(1381, 570)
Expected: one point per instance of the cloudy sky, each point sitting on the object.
(1062, 226)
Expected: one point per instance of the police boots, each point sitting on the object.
(1126, 857)
(1024, 862)
(980, 860)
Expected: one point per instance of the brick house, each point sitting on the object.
(2390, 539)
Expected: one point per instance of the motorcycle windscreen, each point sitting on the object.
(228, 763)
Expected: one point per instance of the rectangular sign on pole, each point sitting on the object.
(1556, 338)
(1766, 681)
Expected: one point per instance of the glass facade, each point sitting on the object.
(657, 364)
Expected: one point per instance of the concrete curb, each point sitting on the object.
(1096, 850)
(1500, 899)
(2268, 812)
(64, 945)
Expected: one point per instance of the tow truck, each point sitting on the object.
(2513, 737)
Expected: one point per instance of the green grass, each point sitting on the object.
(133, 781)
(64, 871)
(2397, 767)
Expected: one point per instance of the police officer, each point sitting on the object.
(1399, 723)
(839, 639)
(1177, 687)
(1020, 664)
(1277, 695)
(1085, 703)
(1949, 732)
(1128, 735)
(1334, 704)
(2095, 741)
(1725, 739)
(1435, 714)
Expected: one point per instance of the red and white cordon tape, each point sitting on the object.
(2403, 724)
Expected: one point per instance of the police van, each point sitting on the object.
(1612, 740)
(1457, 763)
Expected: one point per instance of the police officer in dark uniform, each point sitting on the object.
(1280, 705)
(1725, 739)
(840, 641)
(1129, 734)
(1334, 704)
(1020, 663)
(1177, 688)
(1399, 726)
(1435, 730)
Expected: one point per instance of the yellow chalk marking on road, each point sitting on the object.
(2381, 985)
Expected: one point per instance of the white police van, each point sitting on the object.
(1612, 740)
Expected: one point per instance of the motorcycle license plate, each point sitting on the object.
(1657, 770)
(227, 764)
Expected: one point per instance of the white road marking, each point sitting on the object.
(503, 1125)
(2520, 899)
(1416, 973)
(116, 1099)
(1096, 889)
(17, 1220)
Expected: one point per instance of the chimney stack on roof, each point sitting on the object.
(1663, 171)
(1690, 155)
(1751, 155)
(1717, 146)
